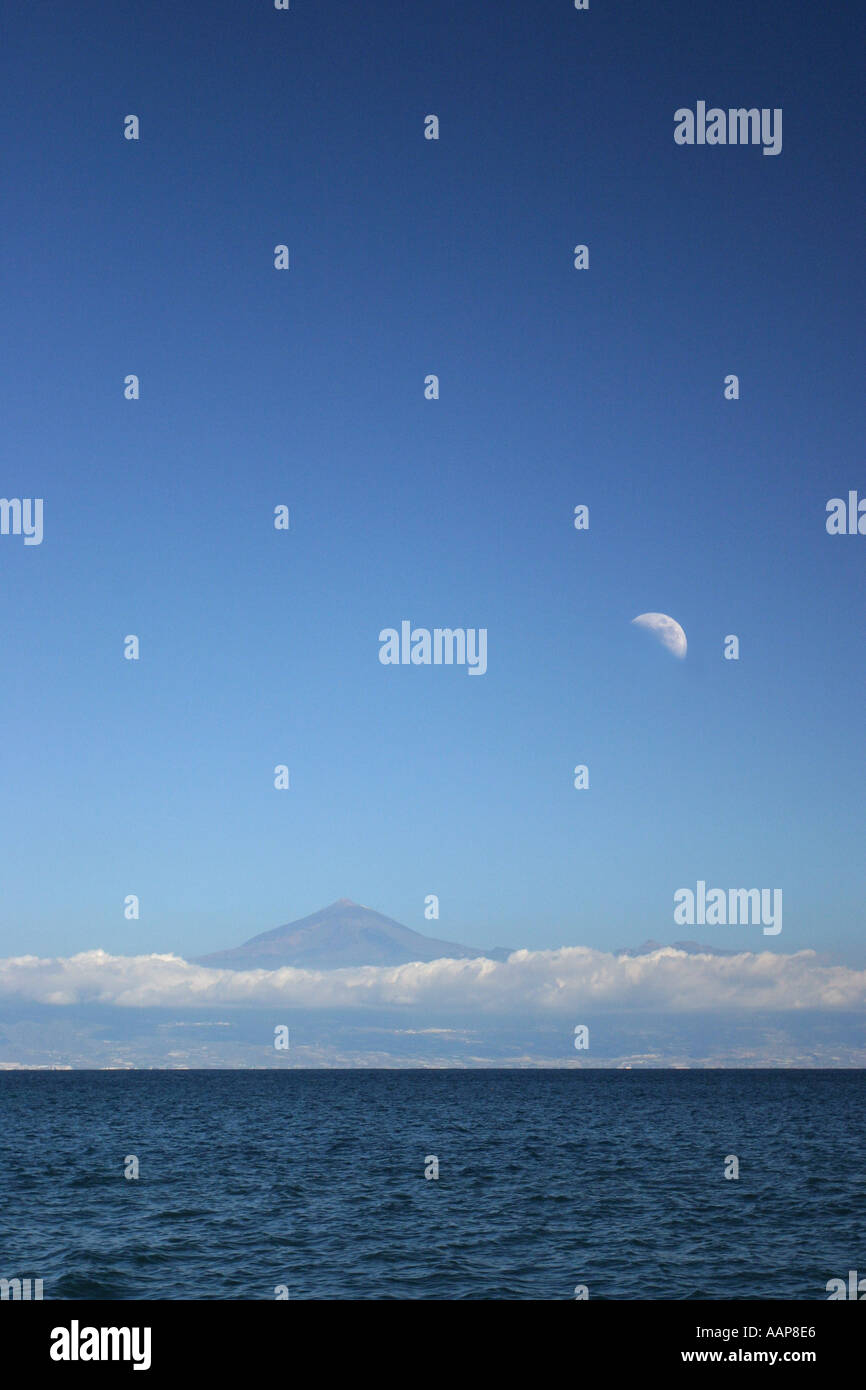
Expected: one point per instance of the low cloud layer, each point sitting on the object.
(529, 982)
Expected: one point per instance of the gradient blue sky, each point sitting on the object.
(306, 388)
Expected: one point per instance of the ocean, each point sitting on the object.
(311, 1184)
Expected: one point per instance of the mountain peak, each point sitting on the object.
(340, 935)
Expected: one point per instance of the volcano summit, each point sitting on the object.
(344, 934)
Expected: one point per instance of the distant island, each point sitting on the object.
(346, 934)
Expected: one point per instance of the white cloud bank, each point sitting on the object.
(529, 982)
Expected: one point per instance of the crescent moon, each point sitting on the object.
(667, 630)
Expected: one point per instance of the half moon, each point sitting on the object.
(667, 630)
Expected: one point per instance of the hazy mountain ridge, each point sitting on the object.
(691, 948)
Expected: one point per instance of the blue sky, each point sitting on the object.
(558, 387)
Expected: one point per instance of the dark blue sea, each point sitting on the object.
(314, 1180)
